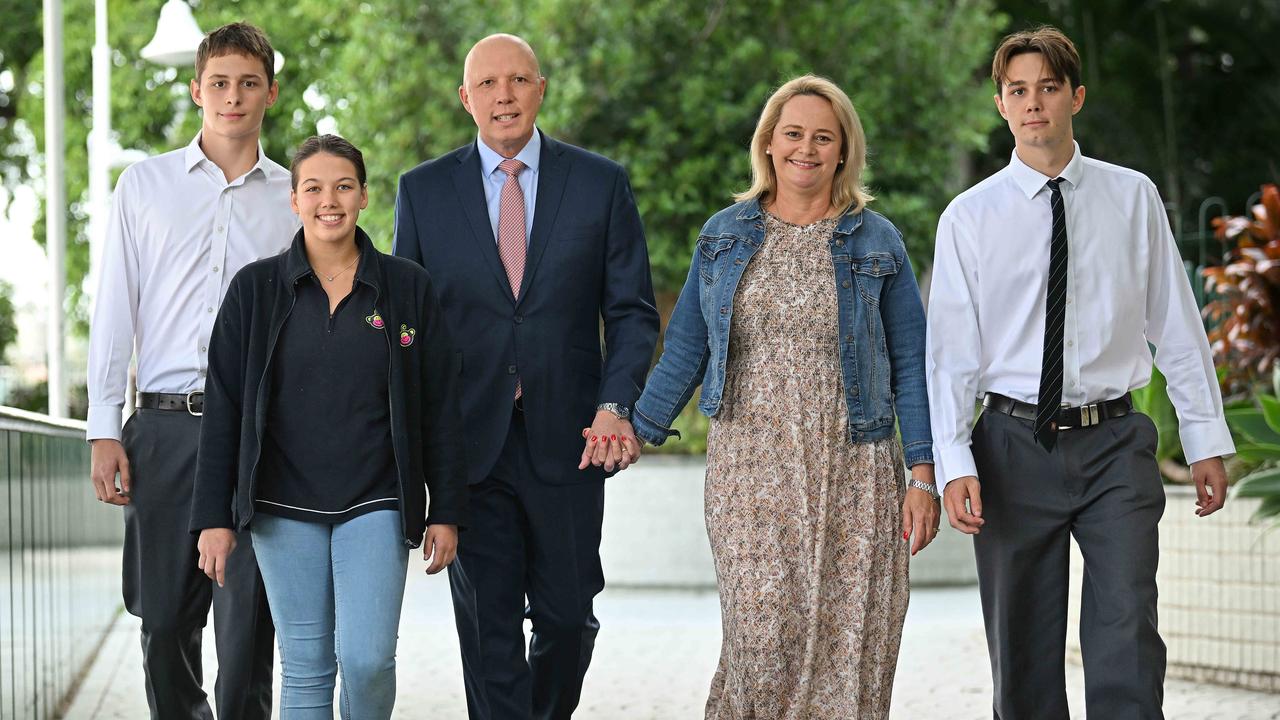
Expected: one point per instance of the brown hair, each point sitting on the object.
(237, 39)
(847, 191)
(1057, 49)
(331, 144)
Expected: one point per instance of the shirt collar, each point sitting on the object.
(194, 155)
(529, 154)
(1031, 181)
(368, 268)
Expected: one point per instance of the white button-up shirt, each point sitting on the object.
(1126, 287)
(177, 234)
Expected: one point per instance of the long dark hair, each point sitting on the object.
(331, 144)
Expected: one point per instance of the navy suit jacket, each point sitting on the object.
(587, 263)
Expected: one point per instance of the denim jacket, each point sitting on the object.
(881, 319)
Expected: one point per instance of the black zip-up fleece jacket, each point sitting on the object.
(423, 377)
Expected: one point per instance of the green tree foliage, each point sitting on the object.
(8, 319)
(669, 88)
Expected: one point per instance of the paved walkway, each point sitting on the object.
(655, 657)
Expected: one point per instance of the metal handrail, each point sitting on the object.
(59, 563)
(24, 421)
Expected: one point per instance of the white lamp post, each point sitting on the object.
(55, 203)
(177, 36)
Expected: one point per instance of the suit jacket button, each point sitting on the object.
(511, 369)
(519, 319)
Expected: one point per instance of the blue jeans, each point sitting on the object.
(335, 594)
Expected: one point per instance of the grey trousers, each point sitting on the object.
(163, 585)
(1100, 485)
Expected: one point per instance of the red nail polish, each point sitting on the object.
(613, 437)
(906, 534)
(593, 438)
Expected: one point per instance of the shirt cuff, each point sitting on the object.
(104, 422)
(953, 462)
(1206, 439)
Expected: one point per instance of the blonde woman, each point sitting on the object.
(802, 321)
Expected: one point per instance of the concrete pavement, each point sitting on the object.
(655, 656)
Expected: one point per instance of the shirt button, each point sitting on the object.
(1071, 343)
(215, 268)
(511, 369)
(204, 349)
(210, 309)
(221, 228)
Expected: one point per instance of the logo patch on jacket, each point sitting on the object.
(375, 320)
(406, 334)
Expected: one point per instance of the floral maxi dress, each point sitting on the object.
(804, 525)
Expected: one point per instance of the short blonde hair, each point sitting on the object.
(847, 191)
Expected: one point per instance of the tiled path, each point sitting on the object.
(655, 656)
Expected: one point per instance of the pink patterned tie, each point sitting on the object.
(511, 245)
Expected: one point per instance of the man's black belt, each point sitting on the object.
(191, 402)
(1068, 417)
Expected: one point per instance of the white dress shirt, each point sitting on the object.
(494, 179)
(177, 234)
(1126, 287)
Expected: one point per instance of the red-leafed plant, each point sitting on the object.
(1244, 315)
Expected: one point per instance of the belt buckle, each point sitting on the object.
(1089, 415)
(187, 402)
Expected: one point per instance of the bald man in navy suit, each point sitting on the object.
(532, 243)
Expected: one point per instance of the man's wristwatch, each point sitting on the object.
(930, 488)
(622, 412)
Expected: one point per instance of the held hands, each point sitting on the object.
(215, 546)
(440, 547)
(1209, 475)
(963, 500)
(107, 457)
(920, 514)
(610, 442)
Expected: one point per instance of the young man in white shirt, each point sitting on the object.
(1050, 279)
(182, 224)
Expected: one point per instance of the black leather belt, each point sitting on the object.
(192, 402)
(1068, 417)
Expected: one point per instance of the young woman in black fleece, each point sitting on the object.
(331, 416)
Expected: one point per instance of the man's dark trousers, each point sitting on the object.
(528, 537)
(164, 586)
(1101, 485)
